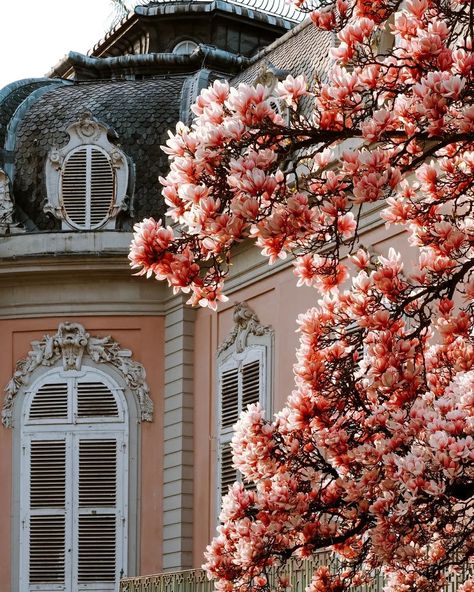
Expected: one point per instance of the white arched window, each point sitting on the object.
(87, 180)
(244, 377)
(74, 476)
(75, 404)
(185, 47)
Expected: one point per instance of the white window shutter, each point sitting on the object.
(227, 474)
(47, 497)
(97, 510)
(50, 402)
(251, 383)
(229, 398)
(95, 399)
(102, 187)
(74, 182)
(87, 187)
(241, 383)
(97, 474)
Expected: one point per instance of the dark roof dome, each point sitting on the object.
(134, 88)
(138, 114)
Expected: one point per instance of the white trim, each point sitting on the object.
(185, 43)
(73, 432)
(248, 341)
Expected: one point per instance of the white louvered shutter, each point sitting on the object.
(87, 187)
(95, 400)
(47, 513)
(74, 487)
(228, 415)
(240, 384)
(97, 518)
(251, 378)
(50, 402)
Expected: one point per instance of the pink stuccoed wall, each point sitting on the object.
(144, 337)
(277, 302)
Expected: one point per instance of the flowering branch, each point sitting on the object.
(373, 453)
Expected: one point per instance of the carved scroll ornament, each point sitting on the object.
(6, 203)
(70, 344)
(246, 323)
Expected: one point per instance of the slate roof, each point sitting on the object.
(140, 112)
(303, 50)
(12, 96)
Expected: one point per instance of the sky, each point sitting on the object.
(36, 34)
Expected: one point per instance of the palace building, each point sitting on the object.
(119, 398)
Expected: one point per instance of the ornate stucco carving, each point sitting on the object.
(85, 131)
(6, 203)
(70, 344)
(246, 323)
(269, 75)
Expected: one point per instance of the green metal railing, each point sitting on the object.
(299, 573)
(191, 580)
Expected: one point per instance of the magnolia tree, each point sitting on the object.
(372, 456)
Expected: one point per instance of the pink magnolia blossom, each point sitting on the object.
(372, 455)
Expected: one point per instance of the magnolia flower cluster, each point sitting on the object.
(372, 456)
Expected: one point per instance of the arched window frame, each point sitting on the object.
(74, 432)
(68, 351)
(249, 343)
(185, 44)
(89, 137)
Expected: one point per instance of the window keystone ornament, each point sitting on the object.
(246, 322)
(70, 344)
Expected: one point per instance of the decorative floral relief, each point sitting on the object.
(70, 344)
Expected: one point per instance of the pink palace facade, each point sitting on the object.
(119, 398)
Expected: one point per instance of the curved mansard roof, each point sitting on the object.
(34, 115)
(303, 50)
(12, 95)
(138, 113)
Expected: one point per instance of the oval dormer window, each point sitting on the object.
(87, 187)
(185, 47)
(87, 180)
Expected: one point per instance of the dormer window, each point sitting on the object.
(87, 179)
(185, 47)
(87, 187)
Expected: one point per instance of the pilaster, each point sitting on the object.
(178, 438)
